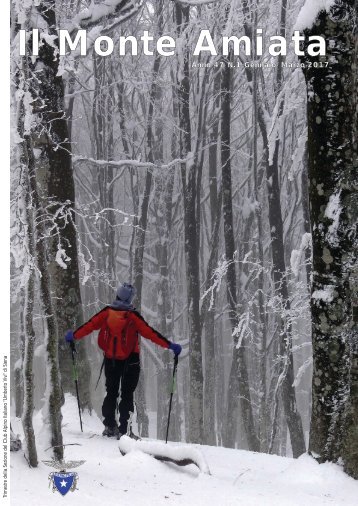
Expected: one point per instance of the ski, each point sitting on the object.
(131, 435)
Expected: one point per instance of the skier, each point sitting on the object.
(119, 326)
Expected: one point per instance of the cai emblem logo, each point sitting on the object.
(62, 481)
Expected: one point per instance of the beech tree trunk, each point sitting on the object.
(18, 369)
(306, 215)
(37, 253)
(29, 333)
(54, 395)
(102, 114)
(141, 230)
(207, 312)
(239, 380)
(165, 188)
(332, 172)
(262, 325)
(191, 240)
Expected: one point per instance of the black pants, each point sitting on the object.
(126, 374)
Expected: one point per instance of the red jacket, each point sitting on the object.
(119, 332)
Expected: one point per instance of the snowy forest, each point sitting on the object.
(225, 192)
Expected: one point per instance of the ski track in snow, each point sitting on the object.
(238, 477)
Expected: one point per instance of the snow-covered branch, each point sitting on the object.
(309, 12)
(129, 163)
(117, 10)
(196, 2)
(302, 370)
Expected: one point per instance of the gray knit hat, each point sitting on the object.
(126, 292)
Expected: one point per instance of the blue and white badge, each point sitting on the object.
(64, 482)
(61, 480)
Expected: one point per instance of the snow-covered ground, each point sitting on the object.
(237, 477)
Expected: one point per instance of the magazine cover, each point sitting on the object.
(183, 254)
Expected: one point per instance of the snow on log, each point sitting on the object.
(180, 455)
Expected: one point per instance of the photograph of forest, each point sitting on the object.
(211, 202)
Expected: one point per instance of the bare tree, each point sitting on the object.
(29, 334)
(191, 238)
(239, 380)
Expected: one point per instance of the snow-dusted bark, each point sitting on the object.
(140, 232)
(103, 124)
(208, 307)
(26, 215)
(143, 211)
(18, 367)
(191, 238)
(163, 224)
(239, 387)
(28, 375)
(163, 219)
(263, 422)
(37, 256)
(332, 172)
(306, 216)
(54, 396)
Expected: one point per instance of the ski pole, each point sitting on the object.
(75, 377)
(100, 373)
(176, 358)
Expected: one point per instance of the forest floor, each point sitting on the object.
(237, 477)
